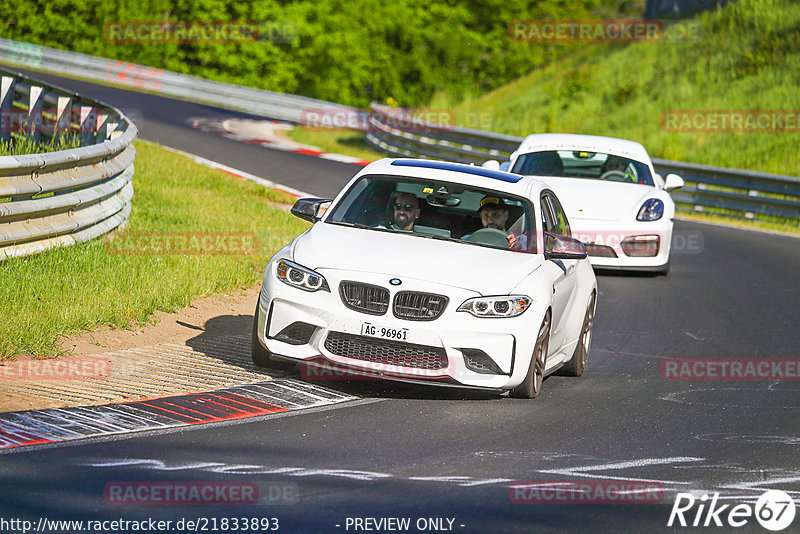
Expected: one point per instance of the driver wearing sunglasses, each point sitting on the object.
(405, 212)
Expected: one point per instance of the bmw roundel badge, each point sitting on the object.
(395, 281)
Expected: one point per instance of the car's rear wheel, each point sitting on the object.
(532, 385)
(261, 356)
(576, 365)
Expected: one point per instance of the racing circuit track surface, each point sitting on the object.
(423, 453)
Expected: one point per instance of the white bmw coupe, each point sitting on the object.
(617, 204)
(434, 272)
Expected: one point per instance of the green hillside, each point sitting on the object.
(344, 51)
(747, 57)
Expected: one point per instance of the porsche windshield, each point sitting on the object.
(581, 164)
(438, 210)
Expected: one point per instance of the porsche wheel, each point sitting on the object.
(532, 385)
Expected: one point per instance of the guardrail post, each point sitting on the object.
(6, 107)
(63, 117)
(112, 129)
(88, 122)
(102, 126)
(36, 98)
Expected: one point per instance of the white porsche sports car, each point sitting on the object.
(617, 204)
(435, 272)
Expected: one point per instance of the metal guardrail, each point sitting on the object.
(747, 194)
(226, 95)
(68, 196)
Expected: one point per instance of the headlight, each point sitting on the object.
(651, 210)
(496, 306)
(298, 276)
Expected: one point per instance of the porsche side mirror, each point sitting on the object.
(672, 182)
(492, 164)
(310, 209)
(561, 247)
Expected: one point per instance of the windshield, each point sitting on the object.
(578, 164)
(437, 210)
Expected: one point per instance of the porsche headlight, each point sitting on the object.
(300, 277)
(651, 210)
(510, 306)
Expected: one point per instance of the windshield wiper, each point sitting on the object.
(355, 225)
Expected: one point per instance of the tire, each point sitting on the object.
(532, 385)
(577, 364)
(261, 356)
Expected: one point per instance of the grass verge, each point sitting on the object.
(69, 289)
(21, 144)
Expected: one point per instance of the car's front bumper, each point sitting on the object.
(326, 331)
(609, 243)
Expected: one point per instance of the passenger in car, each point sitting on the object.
(494, 214)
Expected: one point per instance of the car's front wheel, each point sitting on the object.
(261, 356)
(532, 385)
(576, 365)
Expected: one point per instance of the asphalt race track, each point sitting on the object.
(447, 460)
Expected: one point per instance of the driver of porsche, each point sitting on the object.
(614, 163)
(494, 214)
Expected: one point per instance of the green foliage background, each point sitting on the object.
(345, 51)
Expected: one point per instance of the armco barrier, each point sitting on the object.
(256, 101)
(68, 196)
(747, 194)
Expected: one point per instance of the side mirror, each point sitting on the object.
(561, 247)
(308, 209)
(492, 164)
(672, 182)
(505, 166)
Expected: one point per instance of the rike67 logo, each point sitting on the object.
(774, 510)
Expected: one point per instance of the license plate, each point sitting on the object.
(384, 332)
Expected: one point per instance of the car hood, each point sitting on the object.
(484, 270)
(600, 200)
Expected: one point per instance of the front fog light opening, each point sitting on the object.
(478, 361)
(297, 333)
(641, 246)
